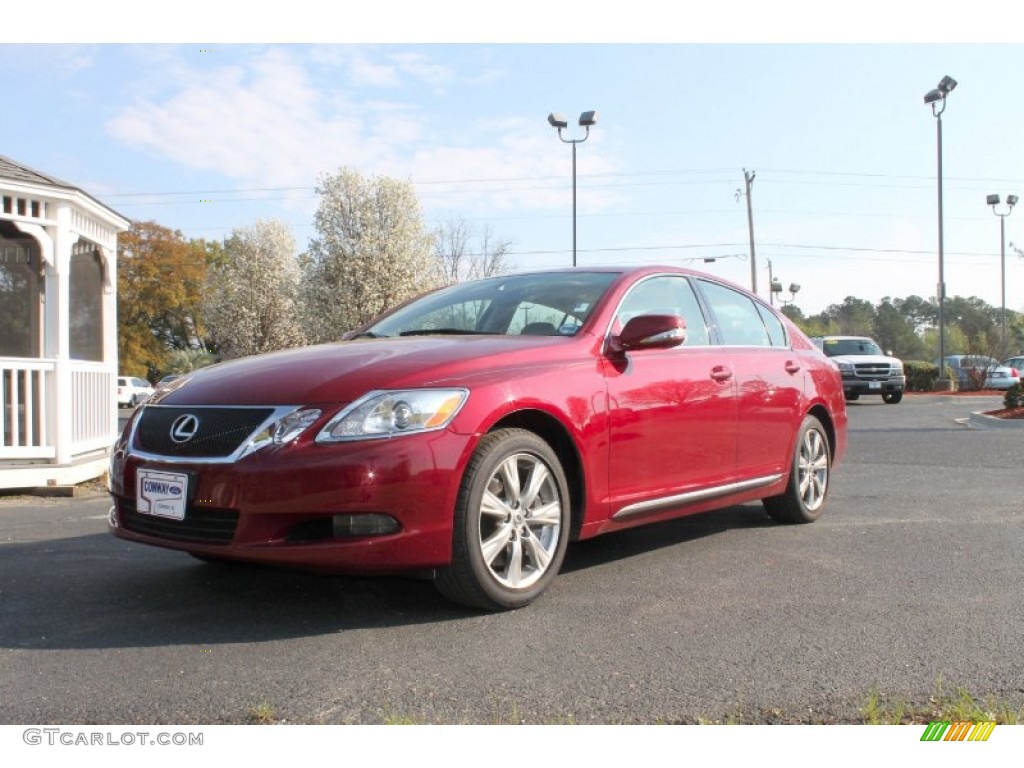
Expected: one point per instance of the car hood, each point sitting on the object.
(343, 371)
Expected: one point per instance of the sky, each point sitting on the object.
(827, 114)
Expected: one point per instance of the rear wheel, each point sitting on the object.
(511, 525)
(804, 498)
(892, 397)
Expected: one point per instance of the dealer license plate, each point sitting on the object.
(161, 493)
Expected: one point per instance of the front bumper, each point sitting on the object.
(275, 506)
(858, 386)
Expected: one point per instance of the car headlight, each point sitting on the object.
(844, 367)
(284, 430)
(394, 413)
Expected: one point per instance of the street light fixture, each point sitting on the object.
(1011, 200)
(937, 99)
(587, 119)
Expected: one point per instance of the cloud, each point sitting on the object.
(272, 118)
(263, 122)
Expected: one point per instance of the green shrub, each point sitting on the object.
(1014, 397)
(920, 375)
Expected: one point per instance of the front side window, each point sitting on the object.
(665, 295)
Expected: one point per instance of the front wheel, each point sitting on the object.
(511, 525)
(892, 397)
(804, 498)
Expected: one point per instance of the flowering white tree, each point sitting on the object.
(251, 295)
(371, 252)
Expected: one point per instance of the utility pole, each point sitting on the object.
(748, 178)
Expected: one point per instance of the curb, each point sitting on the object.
(983, 421)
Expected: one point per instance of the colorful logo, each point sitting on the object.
(958, 731)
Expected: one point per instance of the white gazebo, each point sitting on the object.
(58, 330)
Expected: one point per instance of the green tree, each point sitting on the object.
(371, 252)
(895, 331)
(188, 360)
(854, 317)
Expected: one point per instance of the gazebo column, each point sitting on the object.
(109, 308)
(58, 334)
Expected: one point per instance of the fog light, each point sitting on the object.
(364, 525)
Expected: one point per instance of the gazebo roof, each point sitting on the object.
(12, 169)
(15, 171)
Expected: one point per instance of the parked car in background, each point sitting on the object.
(472, 433)
(1001, 377)
(1014, 362)
(131, 390)
(865, 368)
(982, 372)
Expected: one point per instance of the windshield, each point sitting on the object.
(547, 304)
(837, 347)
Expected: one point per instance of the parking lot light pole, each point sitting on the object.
(587, 119)
(1011, 200)
(937, 99)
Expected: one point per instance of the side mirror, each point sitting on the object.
(652, 332)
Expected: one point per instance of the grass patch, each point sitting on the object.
(958, 704)
(263, 714)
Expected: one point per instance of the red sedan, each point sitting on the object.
(472, 433)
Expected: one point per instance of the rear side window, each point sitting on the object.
(737, 317)
(776, 333)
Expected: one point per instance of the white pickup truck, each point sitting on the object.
(865, 368)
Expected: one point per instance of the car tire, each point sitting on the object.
(511, 523)
(807, 490)
(851, 396)
(134, 401)
(892, 397)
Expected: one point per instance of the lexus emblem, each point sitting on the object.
(184, 428)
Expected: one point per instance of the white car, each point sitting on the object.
(1001, 377)
(131, 390)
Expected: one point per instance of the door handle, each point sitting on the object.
(792, 367)
(721, 373)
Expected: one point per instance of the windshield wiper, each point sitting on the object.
(443, 332)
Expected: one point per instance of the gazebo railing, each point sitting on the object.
(24, 419)
(93, 394)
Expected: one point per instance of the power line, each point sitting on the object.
(623, 175)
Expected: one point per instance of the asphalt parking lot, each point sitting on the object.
(912, 576)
